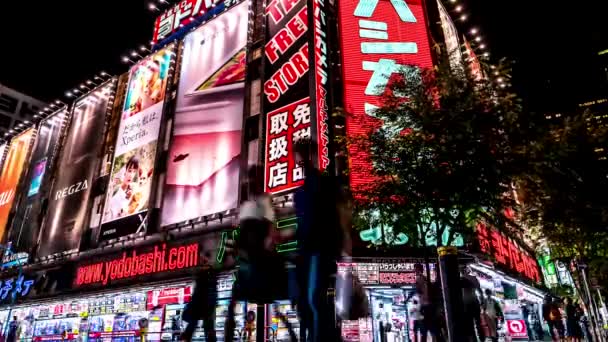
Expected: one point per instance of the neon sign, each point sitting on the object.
(133, 264)
(507, 252)
(16, 287)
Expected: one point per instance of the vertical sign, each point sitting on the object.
(11, 174)
(26, 224)
(450, 35)
(286, 91)
(379, 39)
(128, 195)
(204, 158)
(320, 79)
(70, 195)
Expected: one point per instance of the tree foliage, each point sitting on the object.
(440, 156)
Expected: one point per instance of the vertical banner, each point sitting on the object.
(450, 36)
(70, 195)
(128, 196)
(286, 92)
(26, 223)
(320, 79)
(204, 158)
(379, 39)
(14, 165)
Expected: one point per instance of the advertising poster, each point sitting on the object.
(379, 39)
(204, 157)
(132, 172)
(26, 223)
(450, 35)
(286, 86)
(69, 199)
(14, 163)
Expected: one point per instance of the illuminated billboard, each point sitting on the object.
(69, 200)
(187, 14)
(450, 35)
(131, 176)
(26, 225)
(204, 158)
(286, 92)
(14, 164)
(378, 38)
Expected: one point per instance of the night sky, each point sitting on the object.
(554, 45)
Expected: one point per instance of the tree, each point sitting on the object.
(440, 156)
(565, 191)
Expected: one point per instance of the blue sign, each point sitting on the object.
(17, 287)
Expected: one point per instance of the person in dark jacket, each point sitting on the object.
(202, 305)
(321, 241)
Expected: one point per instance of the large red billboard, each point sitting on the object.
(379, 38)
(204, 157)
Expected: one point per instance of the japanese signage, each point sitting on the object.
(26, 223)
(450, 35)
(69, 203)
(318, 12)
(14, 259)
(183, 14)
(285, 126)
(134, 263)
(14, 164)
(286, 91)
(130, 187)
(385, 273)
(16, 287)
(379, 40)
(173, 295)
(507, 252)
(204, 157)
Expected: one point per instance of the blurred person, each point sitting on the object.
(13, 330)
(176, 326)
(415, 313)
(553, 317)
(472, 306)
(202, 305)
(320, 207)
(573, 328)
(262, 277)
(491, 313)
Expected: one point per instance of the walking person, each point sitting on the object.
(553, 317)
(202, 305)
(176, 326)
(262, 277)
(322, 207)
(573, 328)
(415, 313)
(13, 330)
(491, 313)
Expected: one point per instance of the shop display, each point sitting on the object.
(284, 307)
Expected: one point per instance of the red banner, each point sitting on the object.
(174, 295)
(379, 39)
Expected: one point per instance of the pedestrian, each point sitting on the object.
(322, 240)
(143, 329)
(176, 326)
(417, 317)
(202, 305)
(472, 307)
(13, 329)
(262, 277)
(553, 317)
(491, 313)
(573, 328)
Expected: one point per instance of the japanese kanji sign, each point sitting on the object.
(184, 13)
(17, 287)
(507, 252)
(284, 127)
(379, 39)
